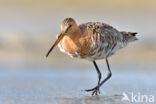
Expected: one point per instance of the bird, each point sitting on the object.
(92, 41)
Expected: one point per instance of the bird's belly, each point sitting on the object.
(100, 55)
(103, 51)
(96, 54)
(88, 51)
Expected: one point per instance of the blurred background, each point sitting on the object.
(28, 29)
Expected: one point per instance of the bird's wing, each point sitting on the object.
(104, 30)
(105, 36)
(100, 28)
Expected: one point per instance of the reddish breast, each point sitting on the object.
(77, 46)
(68, 45)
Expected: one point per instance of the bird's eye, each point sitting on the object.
(68, 28)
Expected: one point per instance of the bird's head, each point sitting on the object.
(68, 25)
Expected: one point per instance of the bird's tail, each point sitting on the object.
(129, 36)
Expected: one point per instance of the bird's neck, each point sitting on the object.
(75, 34)
(70, 42)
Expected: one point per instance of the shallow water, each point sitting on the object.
(67, 87)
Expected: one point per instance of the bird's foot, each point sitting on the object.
(95, 90)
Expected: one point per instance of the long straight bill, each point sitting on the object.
(56, 42)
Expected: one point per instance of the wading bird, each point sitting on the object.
(92, 41)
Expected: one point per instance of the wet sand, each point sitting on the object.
(116, 99)
(67, 87)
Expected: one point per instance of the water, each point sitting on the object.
(67, 87)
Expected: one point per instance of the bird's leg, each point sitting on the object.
(108, 77)
(98, 72)
(97, 90)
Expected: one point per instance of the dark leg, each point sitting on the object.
(95, 89)
(98, 72)
(99, 78)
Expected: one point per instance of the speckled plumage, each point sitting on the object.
(91, 41)
(95, 41)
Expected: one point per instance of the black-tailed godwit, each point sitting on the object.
(92, 41)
